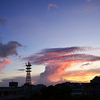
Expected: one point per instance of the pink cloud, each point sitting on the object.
(89, 0)
(52, 5)
(58, 60)
(3, 63)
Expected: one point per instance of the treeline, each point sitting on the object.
(57, 92)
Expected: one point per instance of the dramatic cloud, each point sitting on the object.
(9, 48)
(3, 21)
(56, 55)
(3, 63)
(58, 60)
(52, 5)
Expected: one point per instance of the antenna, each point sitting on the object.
(28, 75)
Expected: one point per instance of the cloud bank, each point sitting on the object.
(58, 60)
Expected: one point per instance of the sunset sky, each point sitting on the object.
(61, 39)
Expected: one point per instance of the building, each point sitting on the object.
(13, 91)
(77, 88)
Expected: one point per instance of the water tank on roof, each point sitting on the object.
(13, 84)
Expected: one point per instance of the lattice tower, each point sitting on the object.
(28, 75)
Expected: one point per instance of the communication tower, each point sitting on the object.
(28, 75)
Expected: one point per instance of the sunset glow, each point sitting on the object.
(61, 39)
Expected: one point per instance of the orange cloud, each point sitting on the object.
(52, 5)
(3, 63)
(76, 76)
(81, 75)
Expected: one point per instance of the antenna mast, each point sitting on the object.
(28, 75)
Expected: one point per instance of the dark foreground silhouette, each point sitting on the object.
(57, 92)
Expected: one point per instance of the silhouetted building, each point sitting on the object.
(77, 88)
(13, 84)
(13, 91)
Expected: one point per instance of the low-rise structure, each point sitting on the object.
(13, 91)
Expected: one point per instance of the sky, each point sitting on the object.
(60, 38)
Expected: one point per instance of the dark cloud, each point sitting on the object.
(85, 65)
(20, 69)
(65, 50)
(3, 21)
(60, 50)
(9, 48)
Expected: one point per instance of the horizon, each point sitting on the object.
(52, 83)
(59, 38)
